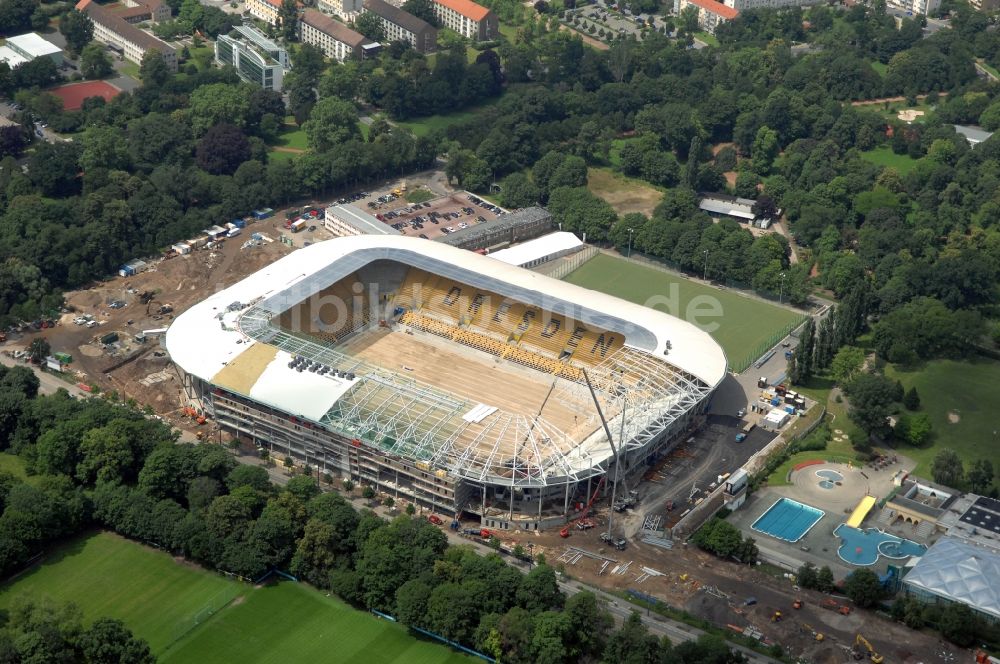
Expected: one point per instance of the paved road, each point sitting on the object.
(49, 384)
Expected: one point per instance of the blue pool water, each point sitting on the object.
(862, 547)
(831, 475)
(787, 520)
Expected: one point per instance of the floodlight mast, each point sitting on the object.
(611, 442)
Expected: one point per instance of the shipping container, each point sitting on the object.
(298, 225)
(109, 338)
(263, 214)
(239, 223)
(181, 248)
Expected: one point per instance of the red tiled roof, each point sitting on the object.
(335, 29)
(466, 8)
(716, 8)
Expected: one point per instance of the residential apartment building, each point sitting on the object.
(335, 39)
(710, 13)
(139, 11)
(123, 37)
(265, 10)
(403, 26)
(344, 8)
(925, 7)
(256, 58)
(471, 20)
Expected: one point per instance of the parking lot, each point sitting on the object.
(433, 218)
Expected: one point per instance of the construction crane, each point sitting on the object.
(859, 642)
(582, 521)
(615, 449)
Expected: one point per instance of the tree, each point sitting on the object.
(519, 191)
(846, 364)
(254, 477)
(288, 19)
(38, 350)
(78, 30)
(914, 429)
(980, 475)
(947, 469)
(422, 9)
(871, 395)
(331, 123)
(765, 150)
(370, 25)
(94, 62)
(153, 71)
(539, 590)
(911, 400)
(222, 149)
(958, 624)
(806, 575)
(109, 641)
(863, 588)
(824, 579)
(572, 172)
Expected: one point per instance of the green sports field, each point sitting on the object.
(158, 597)
(108, 575)
(968, 391)
(288, 622)
(745, 328)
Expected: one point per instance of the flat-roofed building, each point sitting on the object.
(403, 26)
(335, 39)
(471, 20)
(256, 58)
(346, 220)
(28, 47)
(122, 36)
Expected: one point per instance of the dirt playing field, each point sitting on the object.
(625, 195)
(473, 375)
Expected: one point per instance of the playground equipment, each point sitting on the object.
(860, 512)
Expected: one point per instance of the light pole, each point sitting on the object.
(781, 290)
(705, 275)
(630, 231)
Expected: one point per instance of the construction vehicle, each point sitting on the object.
(984, 658)
(834, 605)
(776, 617)
(584, 513)
(859, 653)
(809, 628)
(435, 519)
(797, 604)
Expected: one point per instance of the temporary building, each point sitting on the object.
(776, 418)
(181, 248)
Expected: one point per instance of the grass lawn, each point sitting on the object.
(274, 155)
(891, 112)
(288, 622)
(159, 597)
(11, 463)
(623, 193)
(614, 154)
(424, 126)
(991, 69)
(202, 56)
(879, 68)
(884, 156)
(706, 37)
(130, 69)
(420, 195)
(970, 391)
(744, 326)
(108, 575)
(292, 137)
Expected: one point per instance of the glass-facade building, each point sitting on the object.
(256, 58)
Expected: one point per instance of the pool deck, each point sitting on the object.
(838, 503)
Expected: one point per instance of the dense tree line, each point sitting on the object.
(725, 540)
(99, 463)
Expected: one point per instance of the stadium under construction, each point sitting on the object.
(443, 376)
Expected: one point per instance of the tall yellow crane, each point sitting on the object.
(872, 655)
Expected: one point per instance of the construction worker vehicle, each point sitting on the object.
(862, 647)
(834, 605)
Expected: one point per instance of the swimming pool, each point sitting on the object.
(787, 520)
(863, 547)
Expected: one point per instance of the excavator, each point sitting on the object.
(860, 645)
(810, 630)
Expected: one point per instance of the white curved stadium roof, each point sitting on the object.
(232, 342)
(202, 342)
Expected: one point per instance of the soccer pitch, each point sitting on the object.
(159, 598)
(108, 575)
(744, 327)
(289, 622)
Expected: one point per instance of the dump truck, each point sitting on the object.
(834, 605)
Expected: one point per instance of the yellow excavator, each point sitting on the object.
(809, 629)
(860, 642)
